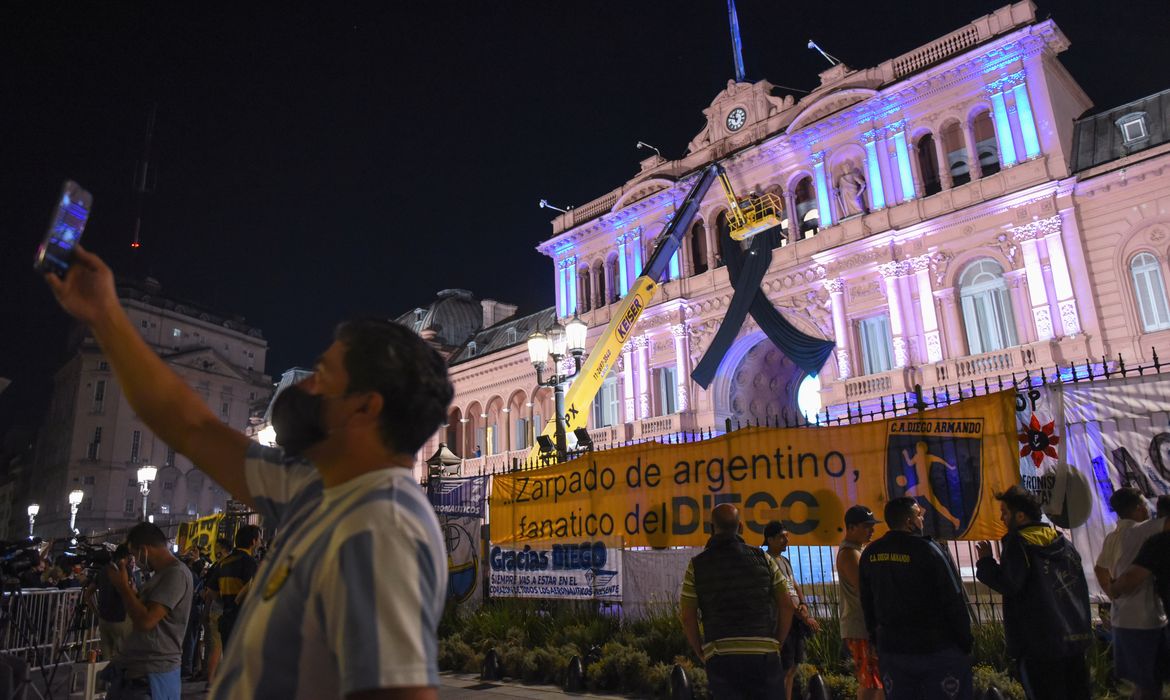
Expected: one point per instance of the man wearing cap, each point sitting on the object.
(746, 611)
(859, 522)
(804, 625)
(915, 610)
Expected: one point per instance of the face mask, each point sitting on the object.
(296, 418)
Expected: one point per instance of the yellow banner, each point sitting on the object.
(199, 533)
(952, 460)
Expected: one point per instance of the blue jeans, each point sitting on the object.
(743, 676)
(155, 686)
(941, 675)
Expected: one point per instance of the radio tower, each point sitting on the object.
(145, 178)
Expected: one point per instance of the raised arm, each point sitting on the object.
(158, 395)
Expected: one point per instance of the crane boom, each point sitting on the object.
(607, 348)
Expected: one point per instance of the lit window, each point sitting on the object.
(605, 404)
(1150, 291)
(808, 397)
(876, 344)
(164, 509)
(1133, 127)
(176, 332)
(665, 391)
(987, 308)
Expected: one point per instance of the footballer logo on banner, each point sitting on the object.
(939, 463)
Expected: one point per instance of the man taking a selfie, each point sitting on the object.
(348, 599)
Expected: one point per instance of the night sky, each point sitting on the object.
(313, 164)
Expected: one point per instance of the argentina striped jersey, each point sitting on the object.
(350, 593)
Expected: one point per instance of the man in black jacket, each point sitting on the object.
(743, 600)
(1045, 600)
(915, 610)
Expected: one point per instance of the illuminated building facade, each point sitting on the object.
(92, 439)
(949, 218)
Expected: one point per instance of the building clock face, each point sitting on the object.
(736, 118)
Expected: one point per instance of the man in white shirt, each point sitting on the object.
(1138, 618)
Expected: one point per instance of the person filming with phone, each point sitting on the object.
(328, 617)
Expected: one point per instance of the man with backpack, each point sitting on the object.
(1045, 600)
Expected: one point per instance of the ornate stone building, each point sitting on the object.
(92, 440)
(949, 217)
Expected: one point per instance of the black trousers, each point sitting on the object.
(1059, 678)
(745, 677)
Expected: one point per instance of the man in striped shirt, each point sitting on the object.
(743, 602)
(347, 602)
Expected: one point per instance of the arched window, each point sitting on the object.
(806, 208)
(956, 150)
(928, 165)
(987, 308)
(612, 271)
(1150, 291)
(986, 146)
(583, 296)
(722, 230)
(599, 273)
(778, 235)
(699, 247)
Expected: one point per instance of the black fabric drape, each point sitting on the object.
(746, 271)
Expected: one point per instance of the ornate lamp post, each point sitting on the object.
(76, 496)
(557, 343)
(33, 509)
(145, 477)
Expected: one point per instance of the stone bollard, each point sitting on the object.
(817, 689)
(491, 667)
(992, 693)
(575, 676)
(680, 685)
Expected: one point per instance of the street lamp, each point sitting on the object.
(33, 509)
(145, 476)
(558, 342)
(76, 496)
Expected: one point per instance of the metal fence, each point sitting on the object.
(47, 627)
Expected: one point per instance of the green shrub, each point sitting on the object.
(841, 686)
(621, 667)
(826, 649)
(1101, 676)
(985, 676)
(990, 645)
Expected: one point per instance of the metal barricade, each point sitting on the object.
(47, 627)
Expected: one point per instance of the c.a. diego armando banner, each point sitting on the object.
(953, 460)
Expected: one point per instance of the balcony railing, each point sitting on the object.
(990, 364)
(664, 425)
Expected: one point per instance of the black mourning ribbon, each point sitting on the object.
(746, 271)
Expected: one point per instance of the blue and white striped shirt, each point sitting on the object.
(350, 593)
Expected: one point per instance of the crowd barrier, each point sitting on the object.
(47, 627)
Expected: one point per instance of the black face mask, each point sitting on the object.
(296, 418)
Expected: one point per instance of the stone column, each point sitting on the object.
(1026, 236)
(1003, 126)
(642, 352)
(916, 171)
(930, 330)
(944, 167)
(682, 353)
(824, 194)
(623, 283)
(836, 288)
(628, 383)
(891, 271)
(1025, 331)
(876, 191)
(1066, 302)
(906, 168)
(972, 152)
(955, 342)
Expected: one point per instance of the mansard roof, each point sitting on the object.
(454, 316)
(149, 292)
(1098, 139)
(505, 334)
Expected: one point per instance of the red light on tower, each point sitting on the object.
(135, 244)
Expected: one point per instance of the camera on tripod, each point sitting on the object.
(18, 556)
(91, 556)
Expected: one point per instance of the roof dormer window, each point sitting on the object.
(1133, 128)
(471, 349)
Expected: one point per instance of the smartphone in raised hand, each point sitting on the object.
(55, 253)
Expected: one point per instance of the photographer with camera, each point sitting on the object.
(104, 600)
(148, 666)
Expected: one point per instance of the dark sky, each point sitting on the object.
(318, 160)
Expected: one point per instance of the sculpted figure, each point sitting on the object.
(851, 193)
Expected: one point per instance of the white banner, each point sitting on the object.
(571, 570)
(1081, 441)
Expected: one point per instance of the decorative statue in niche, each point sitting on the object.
(851, 192)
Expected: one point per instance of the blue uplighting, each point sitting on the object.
(1027, 121)
(824, 211)
(1003, 130)
(877, 195)
(905, 175)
